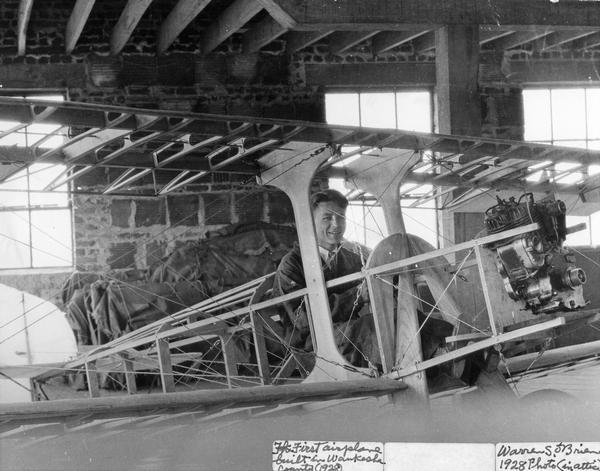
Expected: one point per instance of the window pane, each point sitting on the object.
(40, 175)
(595, 228)
(377, 110)
(51, 237)
(421, 221)
(36, 132)
(14, 239)
(536, 110)
(568, 113)
(580, 237)
(18, 181)
(593, 113)
(342, 108)
(414, 111)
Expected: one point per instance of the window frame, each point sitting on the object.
(365, 205)
(29, 208)
(590, 234)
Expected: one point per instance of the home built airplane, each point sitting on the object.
(530, 284)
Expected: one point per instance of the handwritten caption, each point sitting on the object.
(292, 455)
(561, 456)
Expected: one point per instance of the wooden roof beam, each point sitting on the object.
(424, 43)
(486, 36)
(22, 23)
(130, 17)
(562, 37)
(390, 39)
(77, 20)
(231, 19)
(587, 42)
(341, 41)
(397, 15)
(518, 39)
(278, 14)
(262, 34)
(181, 16)
(298, 40)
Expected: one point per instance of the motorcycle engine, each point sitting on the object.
(534, 266)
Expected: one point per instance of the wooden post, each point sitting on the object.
(129, 374)
(166, 368)
(258, 335)
(229, 358)
(92, 379)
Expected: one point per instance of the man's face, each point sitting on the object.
(330, 224)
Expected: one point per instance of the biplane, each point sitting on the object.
(530, 284)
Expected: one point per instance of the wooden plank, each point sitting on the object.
(298, 40)
(142, 404)
(22, 23)
(382, 74)
(387, 40)
(229, 21)
(182, 15)
(262, 34)
(550, 357)
(77, 20)
(341, 41)
(130, 17)
(398, 15)
(475, 347)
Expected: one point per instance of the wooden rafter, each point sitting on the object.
(387, 40)
(588, 42)
(278, 13)
(182, 15)
(486, 36)
(262, 34)
(405, 14)
(562, 37)
(230, 20)
(22, 23)
(424, 43)
(131, 15)
(298, 40)
(519, 38)
(77, 20)
(341, 41)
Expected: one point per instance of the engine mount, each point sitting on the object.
(535, 267)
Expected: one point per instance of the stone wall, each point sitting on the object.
(119, 233)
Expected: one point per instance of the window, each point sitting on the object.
(408, 110)
(35, 226)
(567, 117)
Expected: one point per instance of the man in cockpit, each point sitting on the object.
(353, 327)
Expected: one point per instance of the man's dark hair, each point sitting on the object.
(328, 195)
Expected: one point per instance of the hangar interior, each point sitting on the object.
(505, 69)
